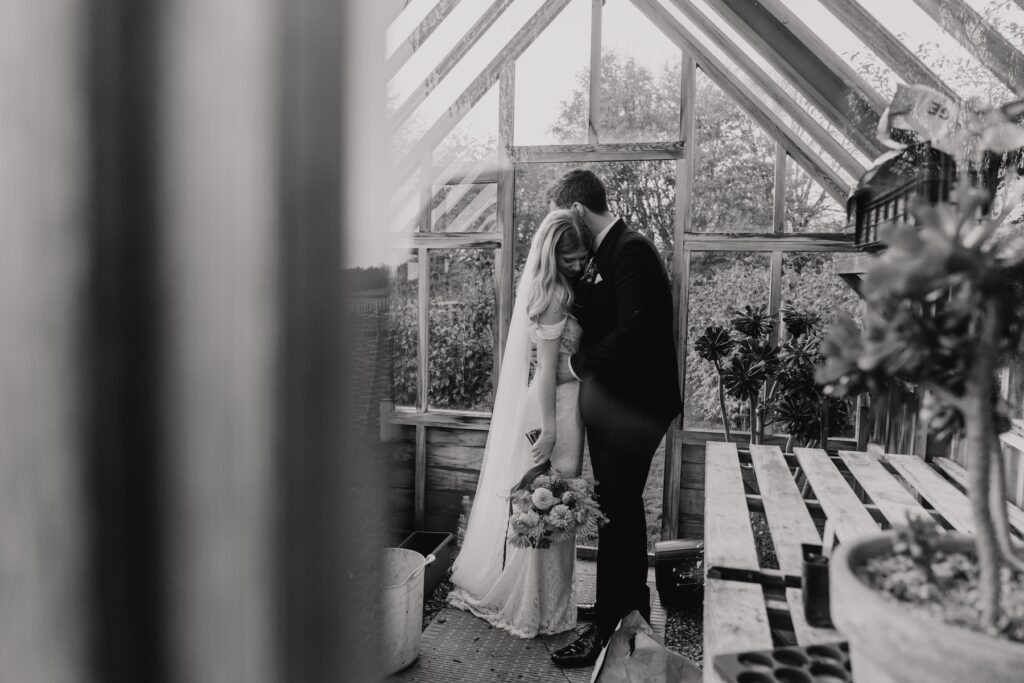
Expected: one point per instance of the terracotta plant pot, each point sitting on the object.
(890, 644)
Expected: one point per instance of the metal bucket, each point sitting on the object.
(402, 602)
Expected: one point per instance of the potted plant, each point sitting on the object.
(945, 309)
(776, 381)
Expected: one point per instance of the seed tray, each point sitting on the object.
(810, 664)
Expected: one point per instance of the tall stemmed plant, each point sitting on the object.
(945, 311)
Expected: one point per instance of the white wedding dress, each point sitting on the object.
(532, 591)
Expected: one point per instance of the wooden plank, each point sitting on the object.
(943, 496)
(506, 205)
(782, 99)
(594, 108)
(420, 478)
(456, 437)
(818, 46)
(805, 633)
(707, 241)
(979, 38)
(837, 499)
(788, 519)
(453, 480)
(442, 418)
(447, 240)
(808, 159)
(888, 47)
(779, 193)
(419, 35)
(670, 494)
(465, 44)
(673, 481)
(852, 111)
(472, 173)
(852, 264)
(617, 151)
(461, 457)
(480, 85)
(894, 501)
(728, 538)
(423, 332)
(735, 619)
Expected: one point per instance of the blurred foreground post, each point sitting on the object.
(179, 499)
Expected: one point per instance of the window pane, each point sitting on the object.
(810, 283)
(462, 328)
(720, 282)
(404, 287)
(464, 208)
(734, 175)
(808, 207)
(640, 78)
(641, 192)
(474, 139)
(553, 82)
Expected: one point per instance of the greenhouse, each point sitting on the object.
(762, 149)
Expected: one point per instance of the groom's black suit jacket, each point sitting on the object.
(627, 357)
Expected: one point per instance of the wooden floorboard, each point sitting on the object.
(458, 647)
(805, 633)
(735, 620)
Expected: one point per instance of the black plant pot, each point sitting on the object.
(438, 544)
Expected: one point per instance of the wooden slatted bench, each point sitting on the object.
(748, 606)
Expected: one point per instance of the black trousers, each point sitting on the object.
(621, 459)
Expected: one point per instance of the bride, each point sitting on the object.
(529, 591)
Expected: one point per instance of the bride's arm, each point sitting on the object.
(548, 343)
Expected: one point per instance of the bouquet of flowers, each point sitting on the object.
(552, 508)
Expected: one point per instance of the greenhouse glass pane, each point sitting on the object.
(720, 283)
(809, 208)
(462, 328)
(404, 288)
(464, 208)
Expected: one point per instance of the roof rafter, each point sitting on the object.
(828, 178)
(979, 38)
(465, 44)
(888, 47)
(815, 130)
(419, 34)
(848, 109)
(829, 57)
(480, 85)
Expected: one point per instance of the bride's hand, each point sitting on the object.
(543, 446)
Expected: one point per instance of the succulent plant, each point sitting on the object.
(715, 344)
(753, 321)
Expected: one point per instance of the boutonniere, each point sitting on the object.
(590, 275)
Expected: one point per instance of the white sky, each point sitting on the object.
(546, 72)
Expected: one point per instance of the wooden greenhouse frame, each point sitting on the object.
(811, 73)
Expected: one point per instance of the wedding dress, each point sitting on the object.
(535, 591)
(526, 591)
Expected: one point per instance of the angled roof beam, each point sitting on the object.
(888, 47)
(745, 98)
(480, 85)
(980, 39)
(418, 36)
(848, 109)
(796, 112)
(829, 57)
(464, 45)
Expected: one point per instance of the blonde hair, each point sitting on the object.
(561, 231)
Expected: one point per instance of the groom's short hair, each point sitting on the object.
(579, 185)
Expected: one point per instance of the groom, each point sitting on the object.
(629, 394)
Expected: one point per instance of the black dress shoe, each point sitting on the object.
(586, 611)
(583, 651)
